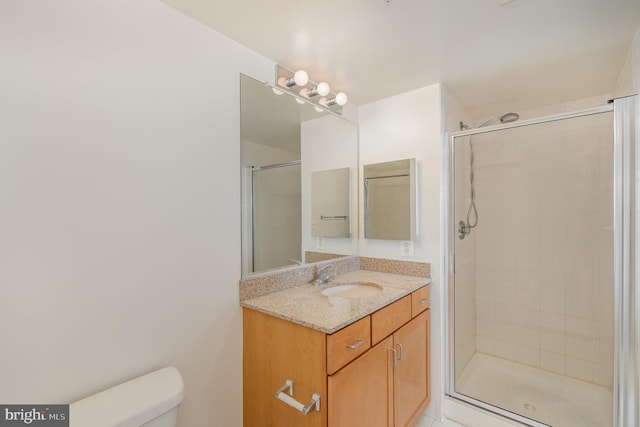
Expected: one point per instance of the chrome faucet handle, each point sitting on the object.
(325, 268)
(323, 275)
(329, 271)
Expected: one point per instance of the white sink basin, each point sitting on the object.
(353, 290)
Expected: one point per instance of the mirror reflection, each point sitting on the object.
(285, 148)
(390, 200)
(330, 203)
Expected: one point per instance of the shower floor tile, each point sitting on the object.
(546, 397)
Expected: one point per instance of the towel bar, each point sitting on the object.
(289, 400)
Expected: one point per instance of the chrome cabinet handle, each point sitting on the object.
(401, 351)
(355, 345)
(395, 357)
(424, 300)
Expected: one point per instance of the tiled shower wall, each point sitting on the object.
(544, 246)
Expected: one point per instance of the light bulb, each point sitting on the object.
(276, 91)
(340, 99)
(323, 89)
(301, 77)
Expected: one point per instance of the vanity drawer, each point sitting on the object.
(386, 320)
(347, 344)
(419, 301)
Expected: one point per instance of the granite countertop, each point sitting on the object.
(306, 306)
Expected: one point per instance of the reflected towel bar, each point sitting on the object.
(332, 217)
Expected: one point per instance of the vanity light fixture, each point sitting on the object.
(299, 78)
(304, 90)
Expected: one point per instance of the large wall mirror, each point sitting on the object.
(289, 149)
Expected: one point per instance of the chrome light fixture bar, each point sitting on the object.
(299, 85)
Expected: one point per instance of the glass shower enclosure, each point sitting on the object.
(275, 215)
(541, 295)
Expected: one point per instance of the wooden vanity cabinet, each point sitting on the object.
(365, 377)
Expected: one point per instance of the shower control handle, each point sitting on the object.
(463, 229)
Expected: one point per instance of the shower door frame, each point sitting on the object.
(625, 352)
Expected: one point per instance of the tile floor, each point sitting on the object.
(425, 421)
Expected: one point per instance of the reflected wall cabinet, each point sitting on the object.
(390, 200)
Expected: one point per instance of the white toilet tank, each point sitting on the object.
(150, 400)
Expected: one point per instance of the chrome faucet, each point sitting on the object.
(324, 275)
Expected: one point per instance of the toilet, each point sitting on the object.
(148, 401)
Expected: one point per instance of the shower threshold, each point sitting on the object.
(540, 395)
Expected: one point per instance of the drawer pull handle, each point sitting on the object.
(355, 345)
(424, 300)
(401, 351)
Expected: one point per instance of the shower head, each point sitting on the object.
(505, 118)
(509, 117)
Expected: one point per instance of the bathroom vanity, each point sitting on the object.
(345, 359)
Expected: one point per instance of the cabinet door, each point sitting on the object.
(360, 394)
(274, 351)
(411, 374)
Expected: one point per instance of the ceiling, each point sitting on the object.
(492, 55)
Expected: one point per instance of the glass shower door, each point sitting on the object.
(532, 310)
(276, 216)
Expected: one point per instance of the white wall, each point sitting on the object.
(119, 179)
(256, 154)
(400, 127)
(409, 126)
(629, 79)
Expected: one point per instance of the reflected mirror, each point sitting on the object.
(285, 147)
(390, 200)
